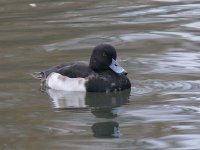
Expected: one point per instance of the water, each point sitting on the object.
(157, 42)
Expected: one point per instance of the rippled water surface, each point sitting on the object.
(157, 42)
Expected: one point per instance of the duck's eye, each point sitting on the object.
(104, 54)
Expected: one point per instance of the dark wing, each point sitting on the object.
(75, 70)
(71, 69)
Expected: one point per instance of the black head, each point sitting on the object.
(102, 56)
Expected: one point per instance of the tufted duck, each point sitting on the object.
(103, 74)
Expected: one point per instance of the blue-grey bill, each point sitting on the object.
(117, 68)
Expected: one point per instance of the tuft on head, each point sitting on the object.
(102, 56)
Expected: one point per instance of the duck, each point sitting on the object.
(101, 74)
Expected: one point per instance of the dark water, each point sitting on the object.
(158, 44)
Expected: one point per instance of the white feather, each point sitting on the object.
(57, 81)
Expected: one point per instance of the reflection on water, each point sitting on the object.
(157, 42)
(66, 100)
(106, 129)
(102, 105)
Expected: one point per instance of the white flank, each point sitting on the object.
(57, 81)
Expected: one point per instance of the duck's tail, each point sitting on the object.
(38, 75)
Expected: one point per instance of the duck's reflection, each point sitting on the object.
(107, 105)
(67, 100)
(102, 105)
(109, 129)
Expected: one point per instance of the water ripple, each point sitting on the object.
(192, 25)
(159, 41)
(184, 35)
(176, 62)
(165, 87)
(184, 141)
